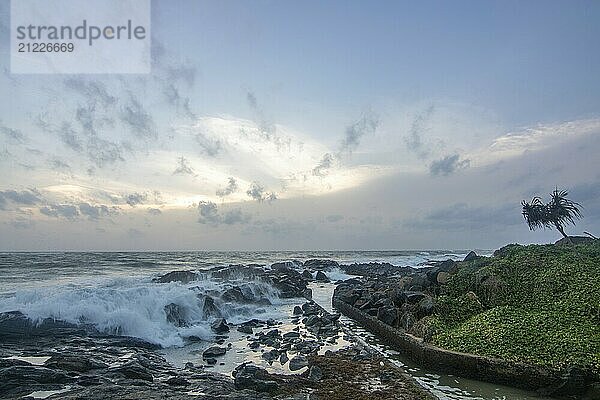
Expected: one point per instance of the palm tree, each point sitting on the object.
(559, 212)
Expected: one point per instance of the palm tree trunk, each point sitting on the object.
(561, 230)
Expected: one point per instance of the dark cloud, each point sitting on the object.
(414, 139)
(257, 192)
(68, 211)
(27, 197)
(367, 124)
(324, 165)
(266, 127)
(231, 187)
(586, 193)
(154, 211)
(137, 119)
(183, 167)
(462, 217)
(94, 92)
(134, 199)
(103, 152)
(95, 212)
(209, 146)
(13, 135)
(448, 165)
(211, 215)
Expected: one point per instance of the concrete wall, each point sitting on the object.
(545, 380)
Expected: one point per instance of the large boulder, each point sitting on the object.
(321, 264)
(297, 362)
(321, 277)
(388, 315)
(471, 256)
(214, 351)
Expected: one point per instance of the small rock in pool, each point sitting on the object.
(297, 310)
(283, 358)
(297, 363)
(245, 329)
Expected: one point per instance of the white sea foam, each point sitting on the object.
(136, 307)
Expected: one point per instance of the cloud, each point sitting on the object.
(334, 218)
(97, 211)
(448, 165)
(414, 140)
(267, 128)
(103, 152)
(22, 223)
(68, 211)
(231, 188)
(28, 197)
(154, 211)
(134, 199)
(13, 135)
(58, 164)
(463, 217)
(367, 124)
(257, 192)
(324, 165)
(209, 146)
(183, 167)
(137, 119)
(211, 215)
(93, 91)
(135, 233)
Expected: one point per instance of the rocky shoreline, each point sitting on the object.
(59, 360)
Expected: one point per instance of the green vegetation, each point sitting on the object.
(536, 304)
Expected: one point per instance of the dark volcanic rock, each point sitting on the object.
(306, 274)
(175, 314)
(220, 325)
(471, 256)
(73, 363)
(315, 374)
(245, 329)
(214, 351)
(297, 362)
(388, 315)
(321, 277)
(248, 376)
(133, 370)
(177, 276)
(321, 264)
(16, 324)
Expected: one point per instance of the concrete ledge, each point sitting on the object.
(547, 381)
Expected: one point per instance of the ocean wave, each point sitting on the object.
(141, 308)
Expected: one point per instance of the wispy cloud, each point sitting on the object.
(448, 165)
(257, 192)
(231, 188)
(183, 167)
(367, 124)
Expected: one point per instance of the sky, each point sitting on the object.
(337, 125)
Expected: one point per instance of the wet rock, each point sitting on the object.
(321, 277)
(214, 351)
(297, 310)
(248, 376)
(307, 275)
(471, 256)
(177, 276)
(310, 308)
(388, 315)
(291, 335)
(245, 329)
(298, 362)
(16, 324)
(220, 326)
(73, 363)
(175, 314)
(177, 381)
(315, 373)
(23, 375)
(321, 264)
(283, 358)
(270, 355)
(133, 370)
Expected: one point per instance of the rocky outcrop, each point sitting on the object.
(177, 276)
